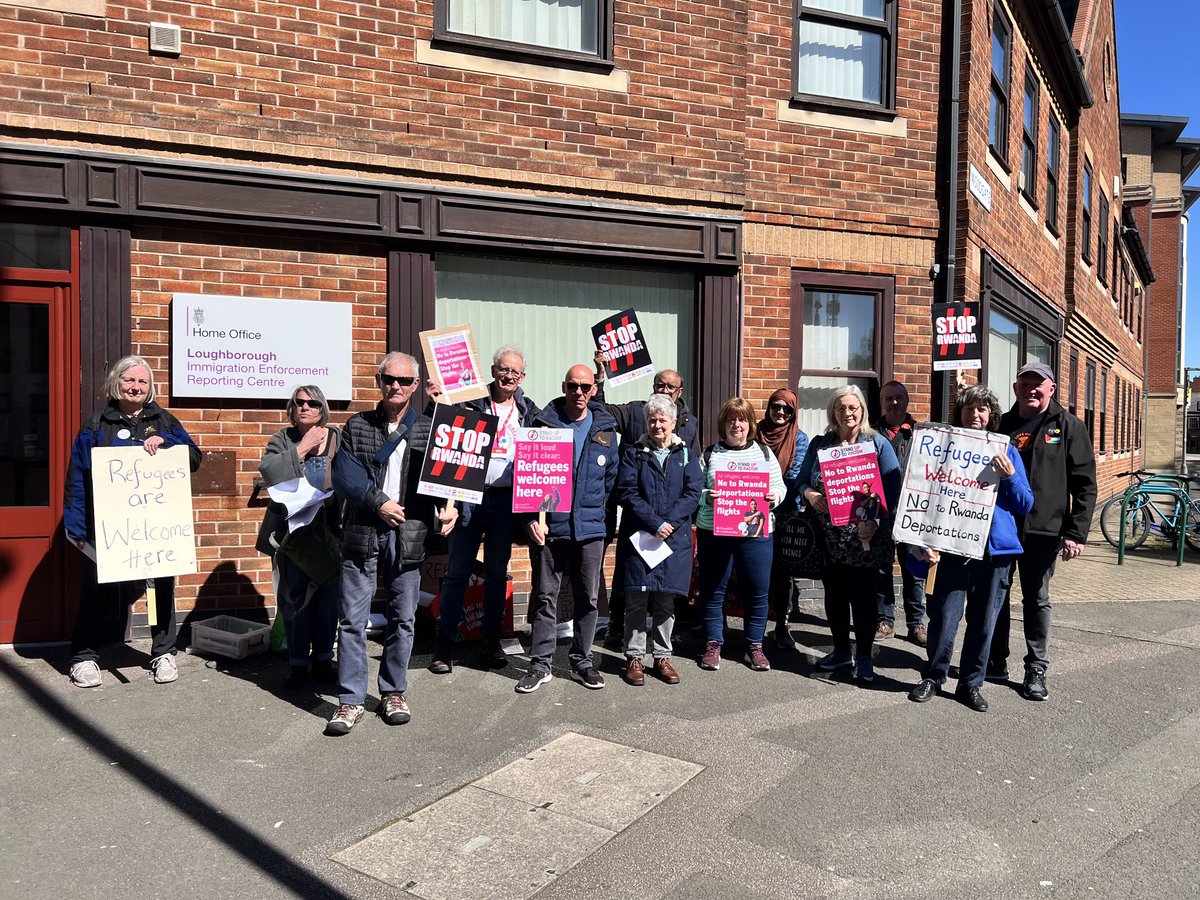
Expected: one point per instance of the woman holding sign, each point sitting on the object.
(856, 543)
(658, 486)
(130, 418)
(978, 584)
(741, 477)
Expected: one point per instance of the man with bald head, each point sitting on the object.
(572, 543)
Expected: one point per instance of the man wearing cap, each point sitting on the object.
(1057, 451)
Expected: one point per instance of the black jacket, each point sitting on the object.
(1062, 474)
(358, 475)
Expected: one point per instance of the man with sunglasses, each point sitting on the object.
(489, 523)
(573, 542)
(376, 471)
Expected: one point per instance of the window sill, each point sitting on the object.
(79, 7)
(1051, 235)
(1000, 162)
(999, 169)
(889, 125)
(1029, 207)
(616, 80)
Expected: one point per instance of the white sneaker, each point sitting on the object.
(165, 670)
(85, 674)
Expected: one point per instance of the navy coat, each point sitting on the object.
(595, 476)
(649, 496)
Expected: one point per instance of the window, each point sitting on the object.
(1010, 346)
(1089, 399)
(547, 311)
(1052, 142)
(1118, 390)
(1103, 408)
(1102, 241)
(998, 114)
(35, 246)
(561, 29)
(1086, 233)
(842, 340)
(845, 52)
(1029, 139)
(1139, 301)
(1073, 380)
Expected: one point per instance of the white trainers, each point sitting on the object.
(165, 670)
(85, 674)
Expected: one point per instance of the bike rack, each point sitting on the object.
(1181, 495)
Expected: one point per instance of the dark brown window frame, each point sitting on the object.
(1029, 140)
(1085, 211)
(1073, 380)
(1089, 399)
(1053, 151)
(1000, 100)
(886, 29)
(1102, 240)
(602, 60)
(1103, 409)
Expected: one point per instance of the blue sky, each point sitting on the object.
(1158, 76)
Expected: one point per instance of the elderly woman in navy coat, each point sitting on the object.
(658, 487)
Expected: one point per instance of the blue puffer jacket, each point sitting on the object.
(594, 478)
(1014, 501)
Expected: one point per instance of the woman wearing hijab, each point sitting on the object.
(779, 431)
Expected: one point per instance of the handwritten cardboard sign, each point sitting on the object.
(853, 486)
(460, 448)
(542, 470)
(740, 508)
(143, 507)
(453, 363)
(620, 339)
(949, 491)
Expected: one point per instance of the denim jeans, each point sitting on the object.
(490, 524)
(912, 589)
(662, 607)
(310, 615)
(580, 561)
(101, 617)
(1035, 568)
(980, 585)
(846, 593)
(359, 581)
(718, 556)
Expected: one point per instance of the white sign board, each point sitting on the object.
(949, 491)
(258, 348)
(143, 507)
(981, 188)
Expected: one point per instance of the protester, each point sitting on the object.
(896, 425)
(376, 472)
(979, 584)
(129, 418)
(305, 562)
(572, 543)
(1056, 449)
(718, 554)
(857, 547)
(780, 431)
(658, 486)
(489, 523)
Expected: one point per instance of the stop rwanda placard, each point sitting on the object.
(460, 447)
(620, 339)
(957, 337)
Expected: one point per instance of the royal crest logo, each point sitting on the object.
(198, 316)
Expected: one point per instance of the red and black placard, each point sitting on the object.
(460, 448)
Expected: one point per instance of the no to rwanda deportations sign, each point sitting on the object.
(853, 485)
(143, 508)
(453, 363)
(543, 466)
(620, 339)
(949, 491)
(460, 447)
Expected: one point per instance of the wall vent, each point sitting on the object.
(165, 38)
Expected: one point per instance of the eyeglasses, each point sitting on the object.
(666, 386)
(402, 380)
(513, 373)
(571, 386)
(781, 407)
(311, 404)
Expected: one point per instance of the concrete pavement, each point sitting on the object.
(793, 785)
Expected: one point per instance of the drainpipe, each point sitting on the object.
(951, 137)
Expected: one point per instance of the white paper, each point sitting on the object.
(300, 499)
(650, 547)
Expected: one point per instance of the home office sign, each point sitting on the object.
(259, 348)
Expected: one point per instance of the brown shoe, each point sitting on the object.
(884, 631)
(919, 635)
(635, 673)
(664, 670)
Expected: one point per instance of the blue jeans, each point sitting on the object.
(581, 562)
(490, 524)
(717, 557)
(911, 588)
(310, 616)
(981, 586)
(403, 586)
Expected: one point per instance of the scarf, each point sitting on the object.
(781, 438)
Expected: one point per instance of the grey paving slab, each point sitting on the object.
(596, 781)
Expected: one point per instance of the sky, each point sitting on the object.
(1157, 72)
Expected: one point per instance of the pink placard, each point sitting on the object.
(853, 486)
(542, 469)
(740, 508)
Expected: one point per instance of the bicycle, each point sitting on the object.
(1143, 516)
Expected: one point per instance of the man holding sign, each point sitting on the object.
(572, 541)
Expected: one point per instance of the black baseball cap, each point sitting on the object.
(1036, 368)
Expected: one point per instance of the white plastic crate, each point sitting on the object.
(230, 636)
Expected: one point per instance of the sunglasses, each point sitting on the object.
(570, 386)
(311, 404)
(402, 380)
(782, 407)
(663, 385)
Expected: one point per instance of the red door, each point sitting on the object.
(39, 389)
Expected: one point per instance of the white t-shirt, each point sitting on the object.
(391, 479)
(506, 441)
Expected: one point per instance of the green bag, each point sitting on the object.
(315, 551)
